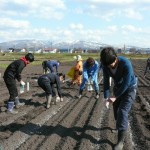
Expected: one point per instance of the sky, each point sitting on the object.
(113, 22)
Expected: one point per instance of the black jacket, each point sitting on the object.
(53, 79)
(14, 70)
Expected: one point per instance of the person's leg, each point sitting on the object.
(96, 86)
(45, 85)
(122, 116)
(82, 87)
(13, 92)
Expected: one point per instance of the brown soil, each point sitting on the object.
(74, 123)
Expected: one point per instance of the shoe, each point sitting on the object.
(121, 137)
(80, 96)
(97, 96)
(114, 131)
(18, 104)
(13, 111)
(10, 108)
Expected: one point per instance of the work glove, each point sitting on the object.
(22, 83)
(109, 101)
(61, 99)
(57, 99)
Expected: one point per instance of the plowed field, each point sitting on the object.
(79, 124)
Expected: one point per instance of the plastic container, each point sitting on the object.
(28, 86)
(21, 88)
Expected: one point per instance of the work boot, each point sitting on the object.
(18, 103)
(49, 98)
(80, 93)
(10, 108)
(121, 137)
(97, 94)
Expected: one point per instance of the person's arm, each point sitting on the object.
(50, 67)
(19, 70)
(126, 80)
(95, 72)
(106, 87)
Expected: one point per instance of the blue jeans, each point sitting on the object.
(122, 107)
(95, 84)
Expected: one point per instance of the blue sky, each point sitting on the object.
(113, 22)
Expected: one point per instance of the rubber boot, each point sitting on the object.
(18, 103)
(49, 98)
(80, 93)
(97, 94)
(121, 137)
(10, 108)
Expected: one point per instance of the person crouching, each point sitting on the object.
(47, 83)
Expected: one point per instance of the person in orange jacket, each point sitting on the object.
(78, 68)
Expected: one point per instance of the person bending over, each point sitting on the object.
(13, 72)
(124, 90)
(47, 83)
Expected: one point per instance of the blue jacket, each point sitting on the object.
(124, 77)
(90, 72)
(51, 64)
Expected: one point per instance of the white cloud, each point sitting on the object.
(76, 26)
(131, 13)
(10, 23)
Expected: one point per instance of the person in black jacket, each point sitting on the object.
(47, 82)
(11, 74)
(147, 67)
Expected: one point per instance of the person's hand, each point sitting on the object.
(22, 83)
(107, 104)
(112, 99)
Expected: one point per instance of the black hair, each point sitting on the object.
(61, 74)
(29, 57)
(90, 62)
(107, 56)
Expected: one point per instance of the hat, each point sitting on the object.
(79, 57)
(90, 62)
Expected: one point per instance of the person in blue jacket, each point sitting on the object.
(125, 84)
(90, 71)
(51, 65)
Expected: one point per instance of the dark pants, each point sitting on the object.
(44, 83)
(12, 88)
(122, 107)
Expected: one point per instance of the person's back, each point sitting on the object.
(51, 64)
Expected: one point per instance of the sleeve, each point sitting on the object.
(56, 67)
(95, 72)
(50, 66)
(106, 83)
(85, 74)
(126, 80)
(19, 70)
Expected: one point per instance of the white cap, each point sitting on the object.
(79, 57)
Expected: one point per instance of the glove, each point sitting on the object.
(61, 99)
(22, 83)
(57, 99)
(106, 102)
(112, 99)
